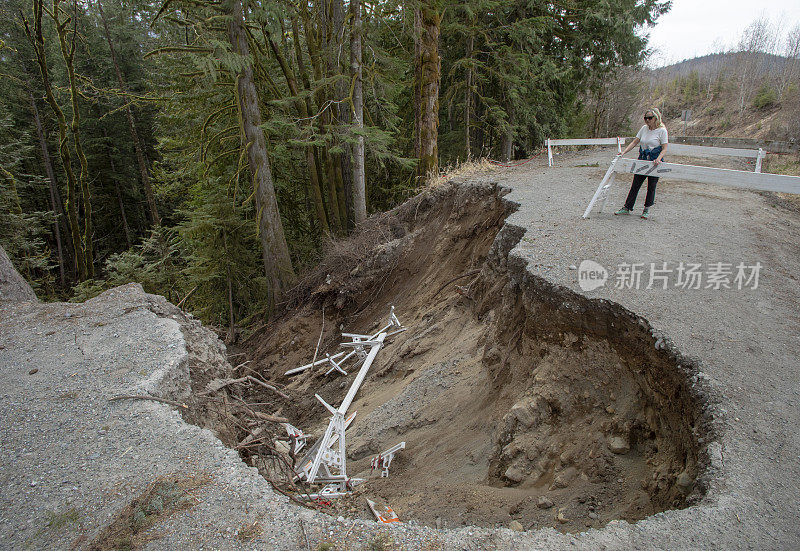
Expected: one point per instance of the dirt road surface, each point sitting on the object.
(71, 460)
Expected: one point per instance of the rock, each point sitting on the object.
(33, 371)
(619, 445)
(515, 474)
(544, 502)
(684, 482)
(510, 450)
(563, 479)
(516, 526)
(282, 446)
(561, 518)
(593, 516)
(492, 356)
(610, 410)
(13, 287)
(524, 414)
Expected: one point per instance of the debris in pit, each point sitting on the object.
(297, 436)
(384, 459)
(326, 462)
(358, 343)
(304, 465)
(383, 513)
(333, 460)
(618, 445)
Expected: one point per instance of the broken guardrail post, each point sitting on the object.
(384, 459)
(334, 359)
(335, 459)
(298, 437)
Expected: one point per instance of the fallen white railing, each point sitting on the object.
(619, 142)
(701, 174)
(706, 151)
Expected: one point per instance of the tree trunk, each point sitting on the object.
(68, 53)
(359, 195)
(275, 252)
(313, 172)
(121, 204)
(427, 75)
(37, 38)
(337, 66)
(301, 107)
(137, 144)
(55, 200)
(507, 146)
(468, 98)
(336, 114)
(316, 46)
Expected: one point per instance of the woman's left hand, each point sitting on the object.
(657, 161)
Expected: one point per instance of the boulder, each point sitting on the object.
(619, 445)
(13, 287)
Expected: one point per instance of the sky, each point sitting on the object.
(694, 28)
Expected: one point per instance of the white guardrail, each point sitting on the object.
(672, 149)
(701, 174)
(707, 151)
(619, 142)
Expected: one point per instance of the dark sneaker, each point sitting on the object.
(623, 210)
(645, 214)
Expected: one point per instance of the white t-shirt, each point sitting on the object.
(649, 139)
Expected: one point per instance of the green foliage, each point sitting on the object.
(538, 69)
(530, 63)
(691, 88)
(23, 226)
(767, 96)
(156, 263)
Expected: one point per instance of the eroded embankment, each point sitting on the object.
(517, 400)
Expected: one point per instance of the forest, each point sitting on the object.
(212, 149)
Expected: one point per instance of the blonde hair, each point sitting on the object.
(657, 114)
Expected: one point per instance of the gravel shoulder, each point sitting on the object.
(67, 448)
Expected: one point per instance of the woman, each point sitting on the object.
(652, 140)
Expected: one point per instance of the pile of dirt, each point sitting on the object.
(517, 400)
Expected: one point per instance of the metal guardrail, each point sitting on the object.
(721, 176)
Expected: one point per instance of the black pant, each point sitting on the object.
(637, 183)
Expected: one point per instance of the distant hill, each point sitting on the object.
(712, 63)
(736, 94)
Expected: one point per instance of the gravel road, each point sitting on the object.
(71, 459)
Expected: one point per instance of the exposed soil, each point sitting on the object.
(517, 400)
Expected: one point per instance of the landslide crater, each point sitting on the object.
(517, 399)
